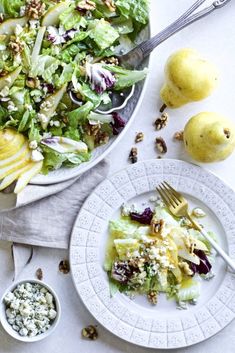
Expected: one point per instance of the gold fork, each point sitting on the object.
(178, 206)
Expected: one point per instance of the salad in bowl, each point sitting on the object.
(150, 252)
(50, 50)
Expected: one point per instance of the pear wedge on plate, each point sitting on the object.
(26, 176)
(13, 147)
(14, 166)
(20, 155)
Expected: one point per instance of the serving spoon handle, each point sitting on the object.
(135, 57)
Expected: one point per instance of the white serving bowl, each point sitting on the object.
(8, 328)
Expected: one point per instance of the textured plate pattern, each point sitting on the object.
(142, 328)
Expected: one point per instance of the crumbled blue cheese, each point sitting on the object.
(198, 212)
(127, 209)
(33, 145)
(30, 309)
(36, 156)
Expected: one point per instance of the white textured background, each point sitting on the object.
(215, 37)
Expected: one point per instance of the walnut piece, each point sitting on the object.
(39, 274)
(162, 121)
(110, 4)
(112, 60)
(100, 137)
(32, 82)
(86, 5)
(152, 297)
(179, 136)
(35, 9)
(64, 266)
(161, 145)
(133, 156)
(15, 45)
(90, 332)
(157, 226)
(184, 266)
(139, 137)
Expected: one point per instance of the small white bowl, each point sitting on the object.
(8, 328)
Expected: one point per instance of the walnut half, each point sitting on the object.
(35, 9)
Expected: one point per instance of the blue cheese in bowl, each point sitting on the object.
(30, 309)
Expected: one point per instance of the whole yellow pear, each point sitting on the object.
(188, 78)
(209, 137)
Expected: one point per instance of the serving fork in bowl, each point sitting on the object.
(178, 207)
(136, 56)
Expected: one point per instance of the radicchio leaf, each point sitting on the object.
(143, 218)
(118, 123)
(101, 79)
(204, 267)
(122, 271)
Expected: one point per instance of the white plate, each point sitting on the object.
(136, 321)
(128, 113)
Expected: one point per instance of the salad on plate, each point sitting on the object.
(151, 252)
(49, 49)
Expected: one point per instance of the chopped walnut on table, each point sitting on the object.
(35, 9)
(64, 266)
(133, 156)
(139, 137)
(39, 274)
(162, 121)
(179, 136)
(161, 145)
(90, 332)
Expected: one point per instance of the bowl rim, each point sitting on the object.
(8, 328)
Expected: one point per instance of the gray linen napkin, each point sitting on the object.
(44, 215)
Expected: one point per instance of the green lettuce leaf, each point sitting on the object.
(73, 133)
(79, 115)
(71, 18)
(103, 34)
(45, 66)
(11, 8)
(126, 78)
(65, 76)
(136, 9)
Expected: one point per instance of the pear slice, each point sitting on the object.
(25, 178)
(8, 26)
(189, 256)
(14, 166)
(12, 147)
(6, 136)
(20, 155)
(8, 180)
(8, 80)
(52, 101)
(51, 18)
(38, 44)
